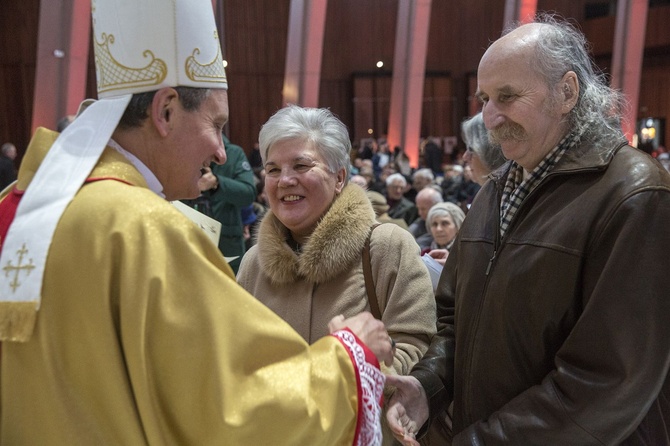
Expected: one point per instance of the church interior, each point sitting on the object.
(47, 65)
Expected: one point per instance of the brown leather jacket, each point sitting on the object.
(559, 334)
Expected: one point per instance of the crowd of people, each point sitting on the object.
(122, 323)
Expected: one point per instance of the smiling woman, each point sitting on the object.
(307, 263)
(300, 185)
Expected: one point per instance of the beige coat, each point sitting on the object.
(326, 278)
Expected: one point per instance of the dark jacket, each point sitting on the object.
(559, 334)
(7, 172)
(404, 209)
(236, 190)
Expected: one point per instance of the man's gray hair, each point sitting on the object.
(396, 177)
(318, 127)
(599, 110)
(6, 147)
(423, 173)
(432, 194)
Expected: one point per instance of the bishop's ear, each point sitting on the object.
(162, 109)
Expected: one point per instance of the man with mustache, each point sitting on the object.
(553, 305)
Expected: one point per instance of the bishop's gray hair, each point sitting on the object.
(137, 110)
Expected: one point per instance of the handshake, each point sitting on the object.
(407, 409)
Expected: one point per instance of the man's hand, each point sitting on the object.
(407, 410)
(440, 255)
(369, 330)
(208, 180)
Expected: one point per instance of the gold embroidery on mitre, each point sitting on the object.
(208, 72)
(18, 268)
(113, 76)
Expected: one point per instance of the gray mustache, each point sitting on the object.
(506, 132)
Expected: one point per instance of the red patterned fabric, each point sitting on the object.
(370, 382)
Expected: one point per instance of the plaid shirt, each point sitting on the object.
(517, 189)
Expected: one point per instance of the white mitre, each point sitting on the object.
(140, 46)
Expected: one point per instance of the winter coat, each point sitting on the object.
(325, 279)
(404, 209)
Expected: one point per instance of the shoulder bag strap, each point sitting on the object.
(367, 273)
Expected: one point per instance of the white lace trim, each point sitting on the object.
(371, 381)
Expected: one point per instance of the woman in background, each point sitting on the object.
(443, 222)
(482, 156)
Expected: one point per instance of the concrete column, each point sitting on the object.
(304, 49)
(62, 60)
(629, 35)
(409, 67)
(519, 11)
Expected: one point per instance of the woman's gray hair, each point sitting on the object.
(476, 138)
(315, 126)
(446, 208)
(599, 110)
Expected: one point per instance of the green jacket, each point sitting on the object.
(236, 190)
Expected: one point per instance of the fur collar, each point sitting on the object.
(334, 245)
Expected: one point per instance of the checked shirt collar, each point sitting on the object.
(517, 189)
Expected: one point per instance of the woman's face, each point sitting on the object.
(479, 170)
(443, 229)
(299, 186)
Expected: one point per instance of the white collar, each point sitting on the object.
(149, 177)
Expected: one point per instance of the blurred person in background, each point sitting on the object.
(7, 164)
(399, 206)
(421, 178)
(481, 155)
(381, 208)
(443, 222)
(229, 188)
(425, 199)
